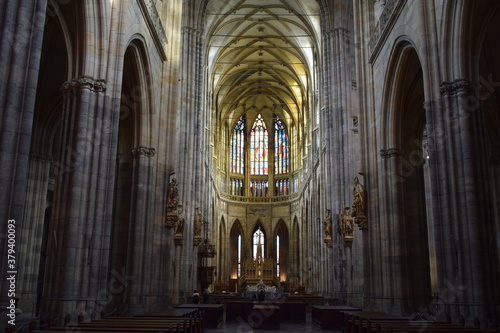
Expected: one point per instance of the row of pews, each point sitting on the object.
(355, 320)
(176, 320)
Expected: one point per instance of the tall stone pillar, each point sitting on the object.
(338, 103)
(191, 134)
(21, 35)
(79, 245)
(32, 251)
(466, 273)
(139, 264)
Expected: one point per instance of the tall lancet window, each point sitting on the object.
(281, 153)
(278, 256)
(238, 147)
(239, 255)
(259, 148)
(258, 244)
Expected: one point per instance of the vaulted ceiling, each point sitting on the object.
(261, 56)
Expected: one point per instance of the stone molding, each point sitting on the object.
(150, 13)
(456, 86)
(390, 152)
(190, 30)
(75, 86)
(144, 151)
(41, 157)
(389, 16)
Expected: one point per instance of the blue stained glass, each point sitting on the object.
(237, 153)
(281, 153)
(259, 148)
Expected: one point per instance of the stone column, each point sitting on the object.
(191, 134)
(79, 245)
(387, 271)
(466, 273)
(141, 231)
(21, 35)
(337, 101)
(31, 240)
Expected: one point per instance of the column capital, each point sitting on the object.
(144, 151)
(74, 86)
(390, 152)
(456, 86)
(41, 157)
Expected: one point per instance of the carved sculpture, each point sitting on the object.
(327, 227)
(346, 224)
(172, 204)
(359, 205)
(198, 223)
(179, 225)
(173, 194)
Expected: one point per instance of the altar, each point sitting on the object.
(258, 270)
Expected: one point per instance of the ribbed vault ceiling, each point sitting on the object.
(260, 55)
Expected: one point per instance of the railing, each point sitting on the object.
(153, 20)
(281, 198)
(389, 15)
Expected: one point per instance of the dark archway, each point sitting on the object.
(43, 170)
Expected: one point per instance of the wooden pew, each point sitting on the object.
(329, 317)
(213, 314)
(379, 322)
(165, 321)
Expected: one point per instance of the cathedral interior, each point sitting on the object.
(348, 149)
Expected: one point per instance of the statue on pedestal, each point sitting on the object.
(359, 202)
(359, 205)
(173, 194)
(172, 217)
(327, 227)
(346, 224)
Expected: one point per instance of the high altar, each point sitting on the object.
(259, 270)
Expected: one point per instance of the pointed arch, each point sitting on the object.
(405, 125)
(55, 66)
(282, 250)
(237, 249)
(223, 254)
(259, 235)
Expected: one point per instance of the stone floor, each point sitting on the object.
(288, 327)
(285, 327)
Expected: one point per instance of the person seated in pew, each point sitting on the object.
(196, 297)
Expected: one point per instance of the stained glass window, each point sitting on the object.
(281, 153)
(282, 186)
(259, 148)
(236, 186)
(259, 188)
(238, 147)
(258, 244)
(278, 256)
(239, 255)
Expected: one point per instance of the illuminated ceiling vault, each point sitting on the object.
(261, 56)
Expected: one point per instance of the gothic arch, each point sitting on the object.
(223, 256)
(405, 125)
(281, 230)
(55, 65)
(236, 230)
(485, 74)
(267, 242)
(131, 235)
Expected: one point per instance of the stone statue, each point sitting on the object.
(179, 226)
(327, 224)
(197, 223)
(359, 203)
(346, 221)
(173, 194)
